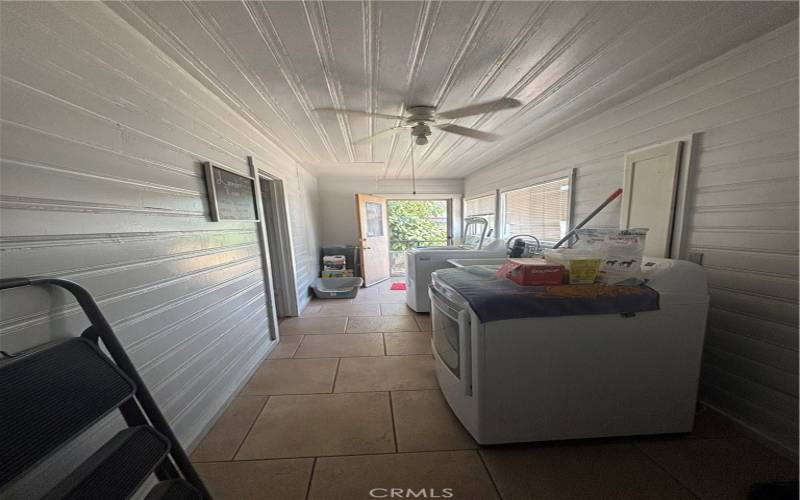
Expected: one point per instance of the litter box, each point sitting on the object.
(336, 288)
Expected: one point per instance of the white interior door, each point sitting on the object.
(373, 227)
(648, 197)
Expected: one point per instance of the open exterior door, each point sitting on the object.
(373, 228)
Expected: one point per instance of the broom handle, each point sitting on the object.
(616, 194)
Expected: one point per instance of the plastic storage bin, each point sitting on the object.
(336, 288)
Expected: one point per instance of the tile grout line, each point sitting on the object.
(354, 333)
(296, 349)
(394, 426)
(336, 375)
(250, 429)
(432, 388)
(488, 472)
(359, 356)
(340, 455)
(666, 471)
(311, 477)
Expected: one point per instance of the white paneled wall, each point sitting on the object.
(742, 210)
(304, 217)
(102, 143)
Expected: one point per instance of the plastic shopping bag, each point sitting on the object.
(622, 252)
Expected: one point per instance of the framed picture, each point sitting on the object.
(231, 196)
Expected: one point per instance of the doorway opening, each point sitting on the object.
(416, 223)
(276, 228)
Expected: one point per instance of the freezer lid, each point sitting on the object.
(676, 281)
(490, 245)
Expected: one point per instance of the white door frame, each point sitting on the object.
(282, 245)
(452, 234)
(689, 156)
(451, 227)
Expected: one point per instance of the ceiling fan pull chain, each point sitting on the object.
(413, 173)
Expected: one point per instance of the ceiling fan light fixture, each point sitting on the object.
(420, 119)
(420, 133)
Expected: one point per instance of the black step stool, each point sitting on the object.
(55, 392)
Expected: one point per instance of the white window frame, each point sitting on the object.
(500, 218)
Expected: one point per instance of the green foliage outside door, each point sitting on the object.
(415, 223)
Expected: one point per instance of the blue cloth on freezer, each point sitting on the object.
(495, 299)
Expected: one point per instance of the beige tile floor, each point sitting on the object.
(348, 402)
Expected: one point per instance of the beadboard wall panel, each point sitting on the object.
(102, 143)
(742, 210)
(303, 201)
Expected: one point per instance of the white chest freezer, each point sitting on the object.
(567, 377)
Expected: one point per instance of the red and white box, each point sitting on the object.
(532, 272)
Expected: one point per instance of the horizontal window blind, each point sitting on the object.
(541, 210)
(481, 207)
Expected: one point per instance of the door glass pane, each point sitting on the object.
(374, 219)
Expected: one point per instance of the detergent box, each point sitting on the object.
(531, 272)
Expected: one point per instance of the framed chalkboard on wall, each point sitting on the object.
(231, 195)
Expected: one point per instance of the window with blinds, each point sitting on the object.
(541, 210)
(482, 207)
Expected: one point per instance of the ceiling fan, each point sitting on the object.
(420, 119)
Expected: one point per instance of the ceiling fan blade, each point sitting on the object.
(469, 132)
(480, 108)
(357, 112)
(378, 135)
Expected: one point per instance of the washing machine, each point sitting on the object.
(421, 262)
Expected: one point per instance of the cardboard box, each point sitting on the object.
(341, 273)
(532, 272)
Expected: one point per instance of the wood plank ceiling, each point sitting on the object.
(276, 61)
